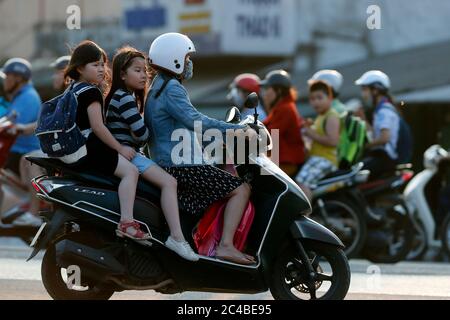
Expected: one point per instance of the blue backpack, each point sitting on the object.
(405, 143)
(57, 130)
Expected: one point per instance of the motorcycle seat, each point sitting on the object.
(337, 173)
(144, 189)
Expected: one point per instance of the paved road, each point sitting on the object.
(406, 280)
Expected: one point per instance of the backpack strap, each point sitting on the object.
(324, 122)
(81, 87)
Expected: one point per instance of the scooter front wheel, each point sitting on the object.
(331, 273)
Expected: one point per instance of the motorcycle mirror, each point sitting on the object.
(252, 101)
(233, 115)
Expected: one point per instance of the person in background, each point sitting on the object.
(60, 82)
(384, 123)
(334, 79)
(240, 88)
(279, 98)
(324, 135)
(25, 107)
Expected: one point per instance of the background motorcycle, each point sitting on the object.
(422, 198)
(14, 196)
(390, 223)
(334, 208)
(370, 217)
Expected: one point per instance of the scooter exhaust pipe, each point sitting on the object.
(93, 263)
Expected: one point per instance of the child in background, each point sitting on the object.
(324, 134)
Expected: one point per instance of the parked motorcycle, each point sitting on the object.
(297, 258)
(422, 198)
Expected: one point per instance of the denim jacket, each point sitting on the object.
(173, 110)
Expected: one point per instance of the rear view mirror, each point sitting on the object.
(252, 101)
(233, 115)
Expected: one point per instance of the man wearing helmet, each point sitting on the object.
(242, 86)
(382, 149)
(168, 109)
(335, 80)
(25, 106)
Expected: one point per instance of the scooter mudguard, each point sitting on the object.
(51, 229)
(305, 228)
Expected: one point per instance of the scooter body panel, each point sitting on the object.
(416, 200)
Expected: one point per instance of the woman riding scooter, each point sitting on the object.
(168, 109)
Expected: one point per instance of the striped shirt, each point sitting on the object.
(124, 120)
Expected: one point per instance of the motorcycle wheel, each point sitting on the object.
(400, 233)
(54, 277)
(345, 220)
(332, 282)
(419, 245)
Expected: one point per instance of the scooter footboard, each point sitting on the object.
(305, 228)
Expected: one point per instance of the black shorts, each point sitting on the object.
(100, 157)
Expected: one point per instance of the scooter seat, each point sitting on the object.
(337, 173)
(144, 189)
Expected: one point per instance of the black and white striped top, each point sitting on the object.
(124, 120)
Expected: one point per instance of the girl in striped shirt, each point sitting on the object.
(125, 103)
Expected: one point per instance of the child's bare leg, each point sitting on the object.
(169, 201)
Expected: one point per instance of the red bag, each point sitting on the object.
(209, 230)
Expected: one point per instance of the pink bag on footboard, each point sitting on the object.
(209, 230)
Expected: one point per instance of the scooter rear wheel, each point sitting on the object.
(399, 232)
(330, 264)
(53, 277)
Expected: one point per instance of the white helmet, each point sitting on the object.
(374, 78)
(169, 51)
(332, 77)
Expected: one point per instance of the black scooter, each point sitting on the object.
(297, 258)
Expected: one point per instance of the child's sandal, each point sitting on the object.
(138, 234)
